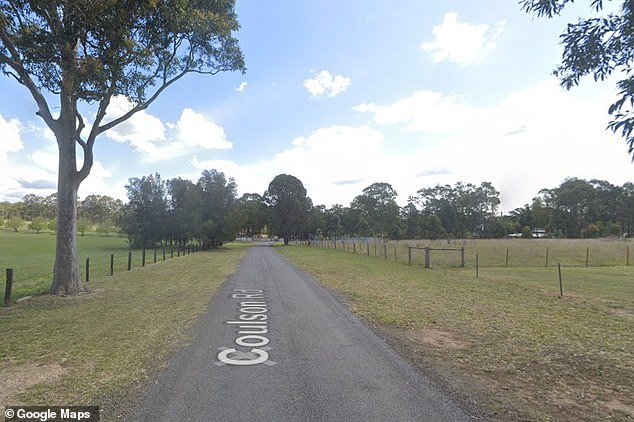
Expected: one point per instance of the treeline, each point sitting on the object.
(580, 208)
(39, 213)
(209, 211)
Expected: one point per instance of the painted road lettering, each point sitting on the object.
(252, 324)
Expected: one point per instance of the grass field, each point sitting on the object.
(498, 252)
(506, 338)
(32, 257)
(96, 348)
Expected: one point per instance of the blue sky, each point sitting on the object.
(345, 94)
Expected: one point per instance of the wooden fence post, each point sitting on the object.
(477, 266)
(155, 255)
(129, 260)
(143, 258)
(8, 287)
(111, 264)
(506, 263)
(561, 285)
(627, 257)
(587, 255)
(87, 270)
(409, 255)
(462, 257)
(546, 257)
(427, 257)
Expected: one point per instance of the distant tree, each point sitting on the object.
(218, 198)
(99, 208)
(92, 51)
(411, 219)
(14, 223)
(38, 224)
(5, 209)
(598, 46)
(332, 223)
(463, 209)
(363, 227)
(289, 205)
(52, 224)
(146, 211)
(348, 216)
(105, 228)
(185, 205)
(378, 205)
(522, 217)
(83, 226)
(252, 214)
(316, 221)
(432, 228)
(591, 231)
(614, 229)
(527, 232)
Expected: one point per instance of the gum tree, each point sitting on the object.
(598, 46)
(69, 53)
(289, 205)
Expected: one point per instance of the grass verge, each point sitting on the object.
(505, 339)
(89, 349)
(32, 257)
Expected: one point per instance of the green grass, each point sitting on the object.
(103, 343)
(506, 337)
(493, 252)
(32, 257)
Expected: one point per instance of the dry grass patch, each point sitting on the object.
(505, 339)
(104, 343)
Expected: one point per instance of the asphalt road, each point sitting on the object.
(276, 346)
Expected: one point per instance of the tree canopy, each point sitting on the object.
(90, 51)
(208, 211)
(598, 46)
(290, 207)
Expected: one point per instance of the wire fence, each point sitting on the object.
(488, 252)
(23, 282)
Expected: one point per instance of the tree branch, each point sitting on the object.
(141, 106)
(15, 63)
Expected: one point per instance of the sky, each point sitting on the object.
(343, 94)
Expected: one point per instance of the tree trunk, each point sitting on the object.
(65, 273)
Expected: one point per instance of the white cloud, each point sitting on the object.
(148, 135)
(46, 159)
(195, 130)
(426, 111)
(325, 82)
(531, 140)
(144, 132)
(460, 42)
(326, 161)
(10, 138)
(242, 87)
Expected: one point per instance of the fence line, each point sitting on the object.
(10, 272)
(491, 253)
